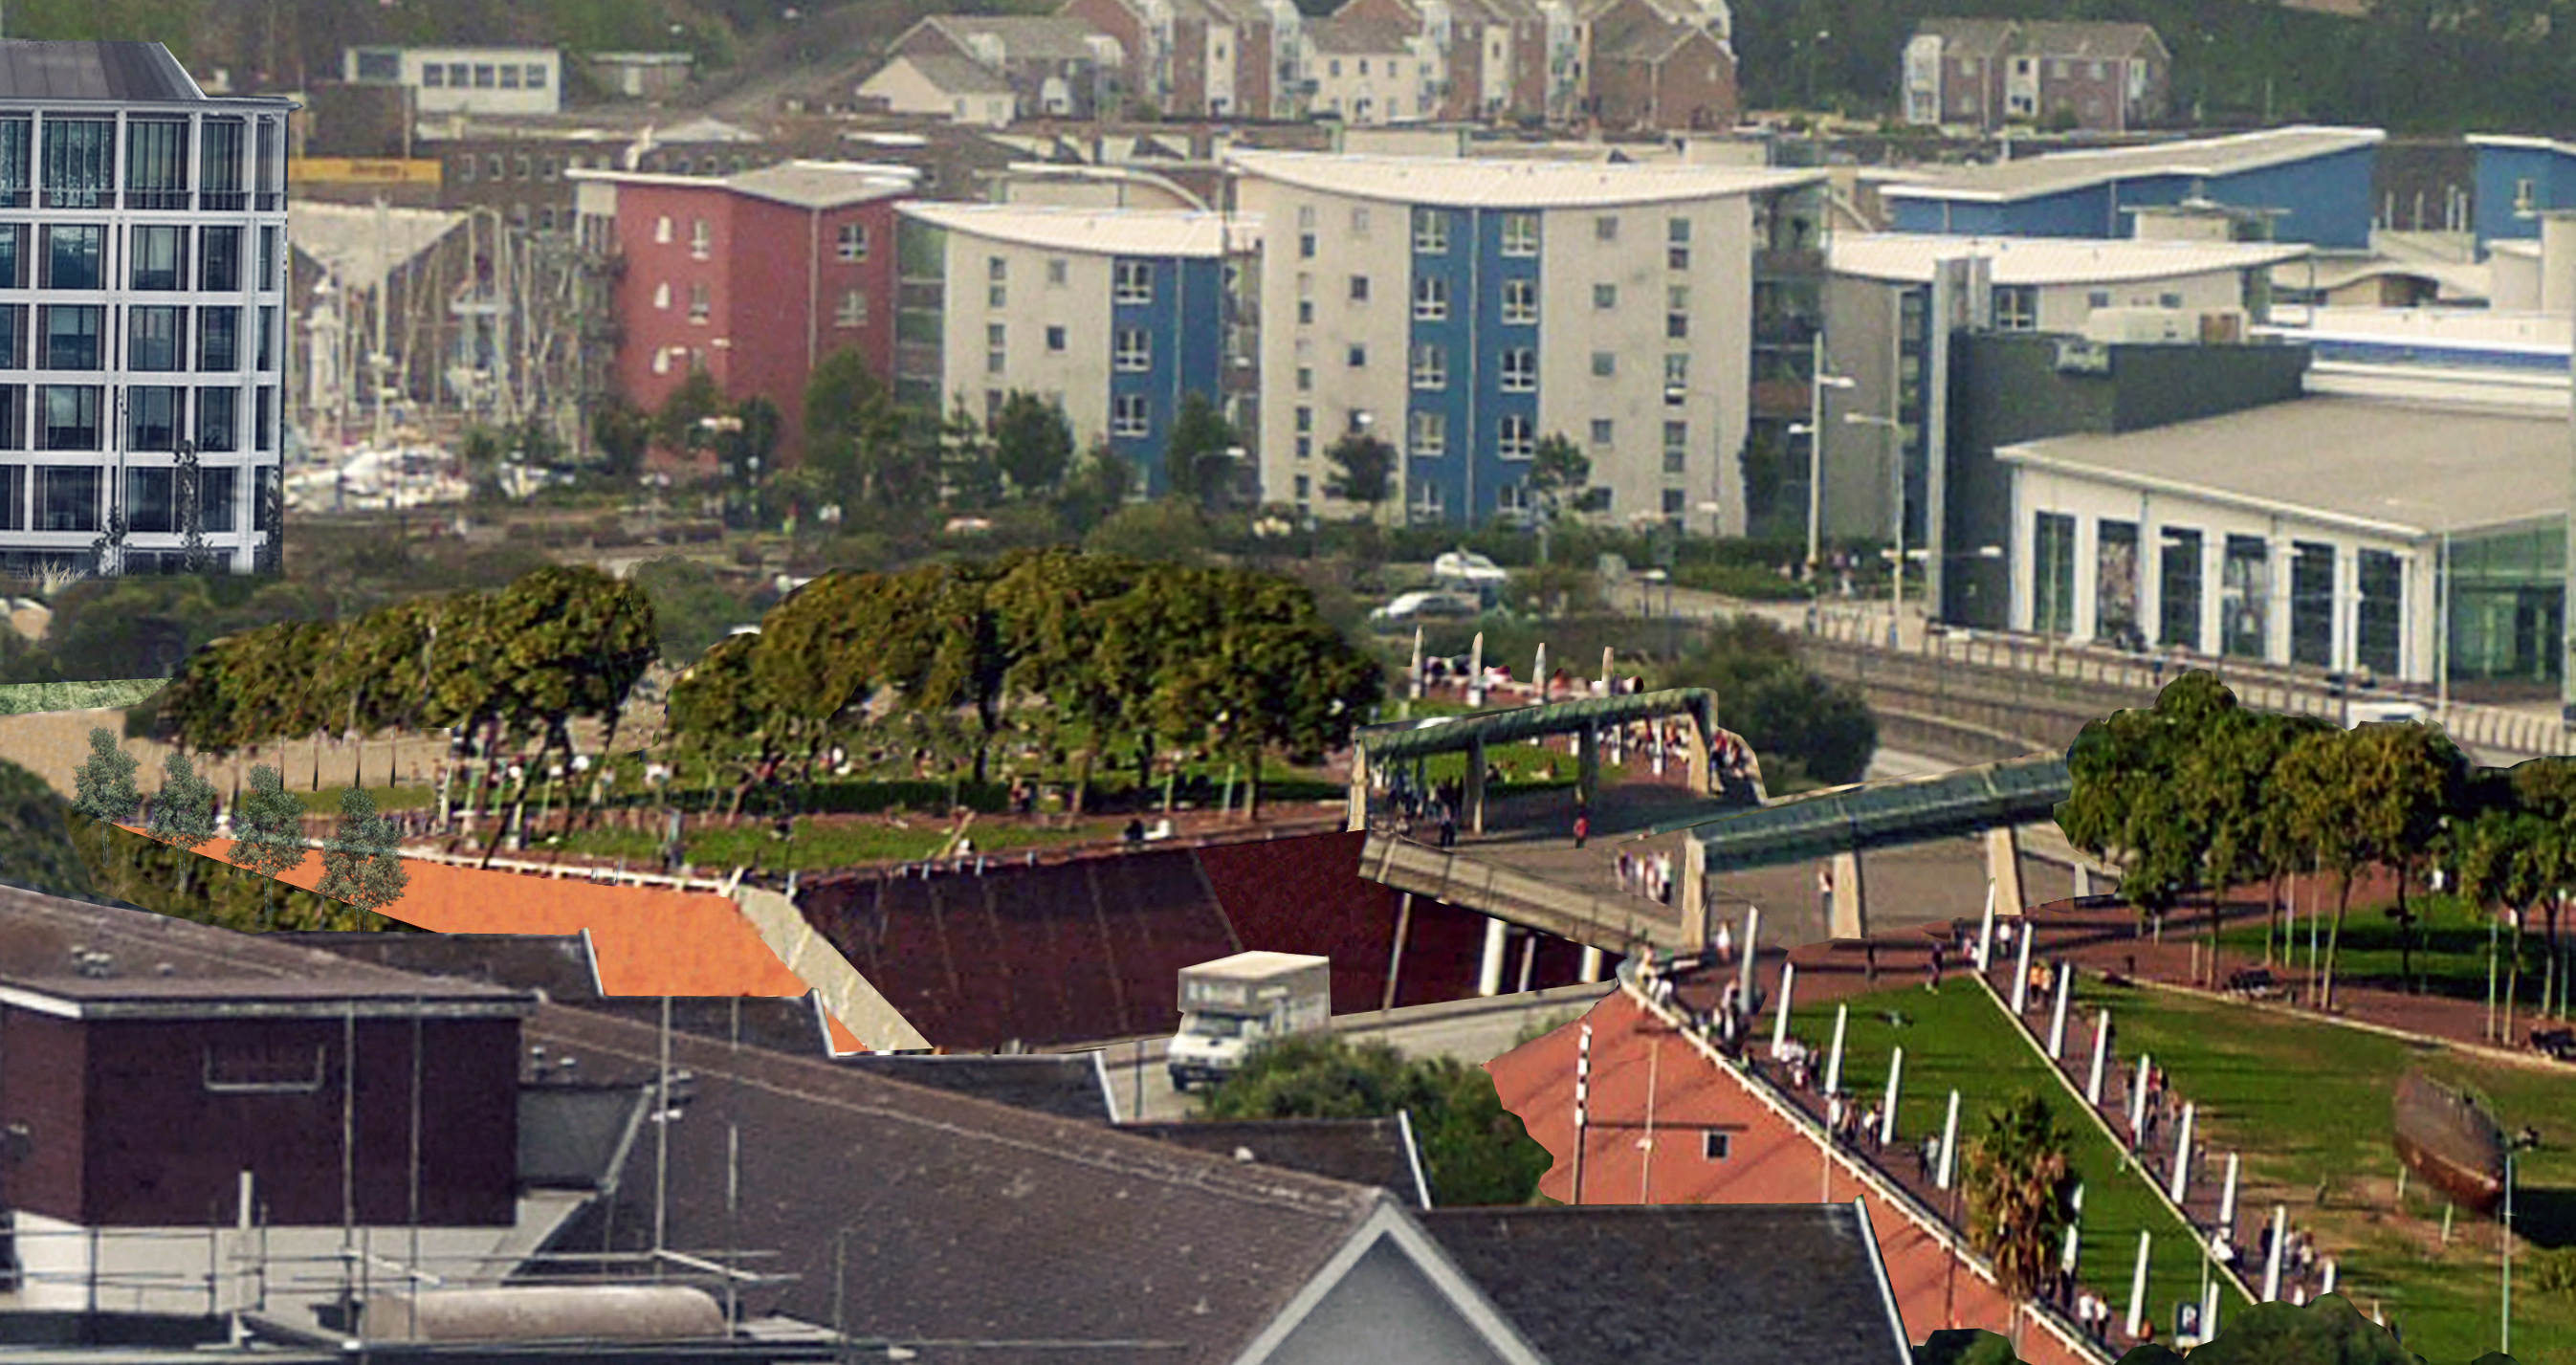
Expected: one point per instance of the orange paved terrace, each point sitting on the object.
(649, 941)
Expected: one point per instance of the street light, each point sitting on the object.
(1814, 430)
(1896, 514)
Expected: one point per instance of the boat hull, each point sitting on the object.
(2450, 1143)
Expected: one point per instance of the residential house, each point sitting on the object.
(2313, 184)
(1656, 65)
(1464, 310)
(1986, 73)
(754, 278)
(1490, 59)
(641, 75)
(1218, 59)
(1056, 66)
(465, 80)
(937, 85)
(142, 259)
(1367, 72)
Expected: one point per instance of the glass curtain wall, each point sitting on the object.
(2178, 590)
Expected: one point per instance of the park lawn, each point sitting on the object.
(2308, 1105)
(817, 848)
(1956, 1038)
(2449, 953)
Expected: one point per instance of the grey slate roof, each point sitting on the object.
(124, 71)
(964, 1220)
(1363, 1151)
(1066, 1085)
(1024, 37)
(558, 964)
(1752, 1284)
(571, 1135)
(957, 75)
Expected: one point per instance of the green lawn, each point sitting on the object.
(815, 848)
(22, 698)
(2449, 955)
(2308, 1104)
(1958, 1039)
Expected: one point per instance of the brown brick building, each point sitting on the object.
(1655, 67)
(1986, 73)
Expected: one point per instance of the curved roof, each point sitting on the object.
(1914, 257)
(2209, 157)
(1487, 183)
(1107, 232)
(2014, 791)
(1448, 734)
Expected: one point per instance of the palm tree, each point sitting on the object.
(2020, 1192)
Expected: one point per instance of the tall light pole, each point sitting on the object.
(1896, 512)
(1814, 431)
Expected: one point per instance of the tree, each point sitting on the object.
(1033, 444)
(2226, 771)
(623, 432)
(1169, 529)
(1367, 470)
(1474, 1152)
(691, 607)
(681, 422)
(853, 432)
(2020, 1194)
(1096, 489)
(1196, 462)
(1559, 472)
(268, 829)
(1788, 714)
(969, 475)
(360, 862)
(36, 846)
(183, 811)
(105, 784)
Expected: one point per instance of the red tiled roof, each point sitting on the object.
(648, 941)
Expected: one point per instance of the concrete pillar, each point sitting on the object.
(1693, 894)
(1851, 906)
(2138, 1284)
(2213, 574)
(2182, 1154)
(2101, 1059)
(2083, 880)
(1695, 750)
(1414, 674)
(2279, 556)
(2003, 864)
(2346, 654)
(2151, 577)
(1591, 965)
(1358, 816)
(1949, 1146)
(1780, 1020)
(2227, 1195)
(2272, 1263)
(1887, 1112)
(1476, 784)
(2021, 971)
(1476, 671)
(2088, 579)
(1489, 973)
(1587, 775)
(1834, 1055)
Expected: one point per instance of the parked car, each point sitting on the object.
(1424, 606)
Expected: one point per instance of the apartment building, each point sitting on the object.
(1985, 73)
(1112, 315)
(1204, 58)
(142, 249)
(1466, 310)
(464, 80)
(1056, 67)
(1368, 72)
(754, 278)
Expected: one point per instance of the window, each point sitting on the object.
(70, 417)
(2169, 300)
(1605, 228)
(69, 335)
(1431, 231)
(702, 238)
(1677, 231)
(500, 171)
(72, 257)
(853, 310)
(525, 166)
(484, 75)
(1055, 272)
(1676, 447)
(1520, 234)
(66, 498)
(2244, 597)
(1520, 370)
(1132, 282)
(13, 339)
(2099, 298)
(1305, 378)
(996, 347)
(13, 495)
(1055, 340)
(1359, 356)
(1306, 245)
(1515, 437)
(1511, 497)
(662, 296)
(1359, 217)
(1602, 428)
(1605, 296)
(1305, 215)
(1430, 366)
(152, 421)
(1305, 312)
(1676, 312)
(160, 258)
(852, 242)
(1520, 302)
(268, 335)
(219, 259)
(264, 422)
(2053, 573)
(1359, 288)
(662, 231)
(459, 76)
(2016, 307)
(216, 409)
(1305, 489)
(1430, 298)
(156, 163)
(1428, 434)
(537, 77)
(220, 163)
(1134, 350)
(1676, 326)
(997, 269)
(510, 76)
(1676, 379)
(1129, 416)
(1427, 501)
(80, 166)
(215, 499)
(701, 302)
(1604, 364)
(466, 166)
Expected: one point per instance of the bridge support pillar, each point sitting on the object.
(1358, 818)
(2083, 879)
(1693, 895)
(1851, 904)
(2003, 863)
(1591, 965)
(1701, 783)
(1475, 811)
(1489, 972)
(1587, 768)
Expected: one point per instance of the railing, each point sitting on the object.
(1612, 923)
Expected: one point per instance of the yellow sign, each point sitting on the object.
(348, 170)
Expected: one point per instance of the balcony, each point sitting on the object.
(1784, 330)
(165, 201)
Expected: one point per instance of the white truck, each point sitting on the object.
(1234, 1004)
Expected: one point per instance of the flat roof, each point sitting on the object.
(2405, 469)
(124, 72)
(2058, 172)
(1913, 257)
(1477, 182)
(2519, 141)
(1108, 232)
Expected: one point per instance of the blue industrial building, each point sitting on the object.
(2518, 179)
(2309, 184)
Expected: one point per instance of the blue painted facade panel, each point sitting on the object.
(2502, 172)
(2328, 197)
(1183, 322)
(2327, 201)
(1454, 335)
(1493, 339)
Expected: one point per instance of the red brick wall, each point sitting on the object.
(1693, 88)
(1121, 23)
(1189, 66)
(42, 1060)
(646, 329)
(164, 1151)
(1529, 69)
(1255, 70)
(1768, 1161)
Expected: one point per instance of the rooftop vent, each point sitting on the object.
(90, 962)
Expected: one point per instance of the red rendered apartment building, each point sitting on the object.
(755, 277)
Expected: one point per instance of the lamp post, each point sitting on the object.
(1895, 515)
(1814, 431)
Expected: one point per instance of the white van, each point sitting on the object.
(2361, 713)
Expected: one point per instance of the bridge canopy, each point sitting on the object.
(2015, 791)
(1450, 734)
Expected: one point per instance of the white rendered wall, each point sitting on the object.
(1079, 374)
(1384, 253)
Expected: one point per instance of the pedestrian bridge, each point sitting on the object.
(1377, 749)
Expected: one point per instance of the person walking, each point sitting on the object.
(1932, 970)
(1869, 962)
(1582, 826)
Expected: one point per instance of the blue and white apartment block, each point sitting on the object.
(1465, 310)
(2519, 179)
(2311, 184)
(1111, 314)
